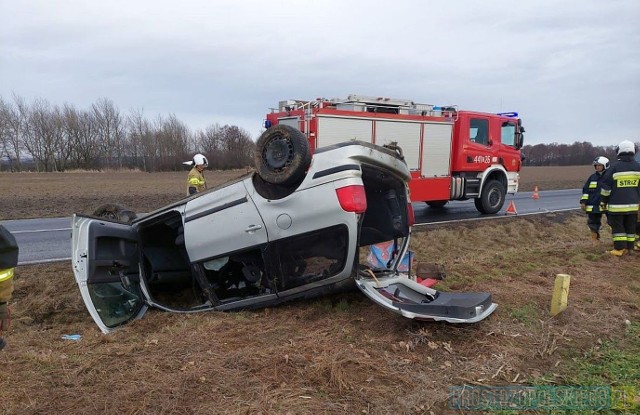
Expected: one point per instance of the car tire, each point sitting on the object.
(437, 204)
(282, 155)
(492, 198)
(115, 212)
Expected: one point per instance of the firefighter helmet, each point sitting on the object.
(626, 147)
(200, 160)
(601, 160)
(197, 160)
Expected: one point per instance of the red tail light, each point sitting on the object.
(352, 198)
(411, 217)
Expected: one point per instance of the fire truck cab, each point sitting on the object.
(452, 154)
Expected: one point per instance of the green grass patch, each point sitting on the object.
(593, 257)
(337, 304)
(614, 364)
(527, 314)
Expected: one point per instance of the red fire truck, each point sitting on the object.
(452, 154)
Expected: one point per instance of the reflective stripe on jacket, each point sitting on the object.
(5, 274)
(6, 284)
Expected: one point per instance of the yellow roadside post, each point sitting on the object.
(560, 296)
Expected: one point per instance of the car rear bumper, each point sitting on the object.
(406, 297)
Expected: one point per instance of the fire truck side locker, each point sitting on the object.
(434, 179)
(426, 147)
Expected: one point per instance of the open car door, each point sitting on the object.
(105, 258)
(399, 293)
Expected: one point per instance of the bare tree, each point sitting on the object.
(141, 139)
(81, 129)
(171, 141)
(209, 142)
(12, 130)
(44, 135)
(111, 131)
(238, 147)
(4, 134)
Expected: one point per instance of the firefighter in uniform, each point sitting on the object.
(195, 180)
(590, 200)
(621, 198)
(8, 261)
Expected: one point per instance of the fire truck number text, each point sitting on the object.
(482, 159)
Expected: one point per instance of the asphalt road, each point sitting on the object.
(49, 240)
(525, 204)
(41, 240)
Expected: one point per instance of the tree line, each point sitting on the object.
(576, 154)
(52, 138)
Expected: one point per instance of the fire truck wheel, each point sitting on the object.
(282, 155)
(115, 212)
(492, 197)
(437, 204)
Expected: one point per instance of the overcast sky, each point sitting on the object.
(571, 68)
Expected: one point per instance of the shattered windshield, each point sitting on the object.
(114, 303)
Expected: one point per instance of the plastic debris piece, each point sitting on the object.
(73, 337)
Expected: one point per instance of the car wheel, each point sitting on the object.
(492, 197)
(437, 204)
(282, 155)
(115, 212)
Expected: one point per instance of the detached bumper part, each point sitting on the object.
(415, 301)
(451, 307)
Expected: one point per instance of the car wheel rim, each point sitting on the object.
(278, 154)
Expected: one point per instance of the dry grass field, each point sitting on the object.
(334, 355)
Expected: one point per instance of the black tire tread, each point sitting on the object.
(296, 169)
(483, 203)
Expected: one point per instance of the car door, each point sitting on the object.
(105, 258)
(479, 149)
(222, 222)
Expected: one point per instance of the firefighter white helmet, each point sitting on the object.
(626, 147)
(601, 160)
(200, 160)
(197, 160)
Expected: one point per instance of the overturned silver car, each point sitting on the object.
(291, 230)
